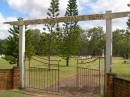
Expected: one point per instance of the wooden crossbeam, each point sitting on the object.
(120, 14)
(58, 20)
(70, 19)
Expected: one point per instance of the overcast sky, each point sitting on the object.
(30, 9)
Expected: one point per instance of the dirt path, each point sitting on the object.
(69, 89)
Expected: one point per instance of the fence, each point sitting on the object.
(117, 87)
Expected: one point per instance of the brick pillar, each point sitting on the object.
(109, 84)
(16, 78)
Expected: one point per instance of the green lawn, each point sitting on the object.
(123, 70)
(4, 64)
(11, 94)
(64, 71)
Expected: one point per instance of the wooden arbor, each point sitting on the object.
(108, 16)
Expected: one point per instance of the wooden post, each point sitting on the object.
(108, 59)
(21, 53)
(108, 42)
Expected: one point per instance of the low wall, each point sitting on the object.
(117, 87)
(9, 78)
(121, 87)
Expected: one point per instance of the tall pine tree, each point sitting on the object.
(72, 10)
(11, 46)
(71, 32)
(53, 12)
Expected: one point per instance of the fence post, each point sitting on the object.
(21, 52)
(108, 57)
(108, 41)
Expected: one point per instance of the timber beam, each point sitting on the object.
(70, 19)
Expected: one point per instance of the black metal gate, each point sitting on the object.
(88, 78)
(38, 76)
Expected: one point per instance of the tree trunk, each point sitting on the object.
(29, 63)
(127, 56)
(49, 66)
(67, 61)
(17, 62)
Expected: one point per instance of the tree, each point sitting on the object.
(71, 32)
(96, 41)
(2, 42)
(127, 35)
(53, 12)
(11, 46)
(29, 47)
(35, 40)
(118, 39)
(56, 43)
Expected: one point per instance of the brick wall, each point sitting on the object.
(9, 78)
(117, 87)
(121, 87)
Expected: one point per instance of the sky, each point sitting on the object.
(10, 10)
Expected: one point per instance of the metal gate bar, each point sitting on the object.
(88, 79)
(41, 77)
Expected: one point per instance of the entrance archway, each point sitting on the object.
(108, 16)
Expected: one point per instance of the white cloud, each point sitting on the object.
(38, 8)
(100, 6)
(35, 8)
(4, 27)
(114, 5)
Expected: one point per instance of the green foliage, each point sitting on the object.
(71, 42)
(55, 44)
(128, 23)
(12, 43)
(29, 46)
(11, 46)
(53, 12)
(35, 39)
(48, 41)
(71, 32)
(95, 37)
(71, 10)
(2, 42)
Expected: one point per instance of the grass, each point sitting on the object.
(121, 69)
(118, 67)
(5, 64)
(64, 71)
(11, 94)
